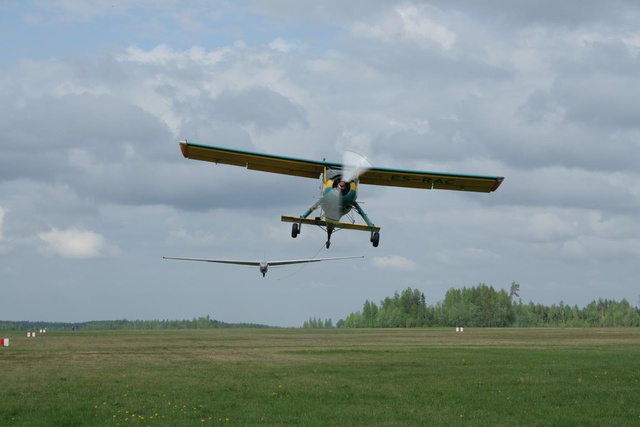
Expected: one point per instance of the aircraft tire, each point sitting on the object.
(295, 230)
(375, 239)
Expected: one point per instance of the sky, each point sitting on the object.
(94, 190)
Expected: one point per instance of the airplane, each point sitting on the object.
(264, 265)
(340, 183)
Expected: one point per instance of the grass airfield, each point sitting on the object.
(326, 377)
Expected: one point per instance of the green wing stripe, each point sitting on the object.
(431, 180)
(254, 161)
(314, 169)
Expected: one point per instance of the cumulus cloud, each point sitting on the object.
(284, 46)
(394, 262)
(467, 256)
(198, 239)
(410, 23)
(545, 94)
(166, 56)
(75, 243)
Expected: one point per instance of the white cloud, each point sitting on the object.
(395, 262)
(75, 243)
(468, 256)
(198, 238)
(541, 95)
(632, 41)
(409, 23)
(164, 55)
(417, 27)
(284, 46)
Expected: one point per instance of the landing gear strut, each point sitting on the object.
(329, 231)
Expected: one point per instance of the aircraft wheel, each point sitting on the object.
(295, 230)
(375, 239)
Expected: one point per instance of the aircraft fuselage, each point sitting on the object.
(264, 267)
(338, 197)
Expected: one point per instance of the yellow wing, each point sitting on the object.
(314, 169)
(254, 161)
(430, 180)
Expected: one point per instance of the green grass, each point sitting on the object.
(322, 377)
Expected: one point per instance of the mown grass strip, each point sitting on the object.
(323, 377)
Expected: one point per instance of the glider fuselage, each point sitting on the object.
(264, 267)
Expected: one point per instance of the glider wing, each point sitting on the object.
(303, 261)
(221, 261)
(258, 263)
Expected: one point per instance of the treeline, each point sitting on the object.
(405, 310)
(195, 323)
(484, 306)
(314, 323)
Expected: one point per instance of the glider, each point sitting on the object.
(264, 265)
(340, 183)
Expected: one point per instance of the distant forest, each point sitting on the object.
(484, 306)
(106, 325)
(478, 306)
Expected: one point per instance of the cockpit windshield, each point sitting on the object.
(332, 173)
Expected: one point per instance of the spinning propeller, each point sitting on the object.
(353, 165)
(340, 199)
